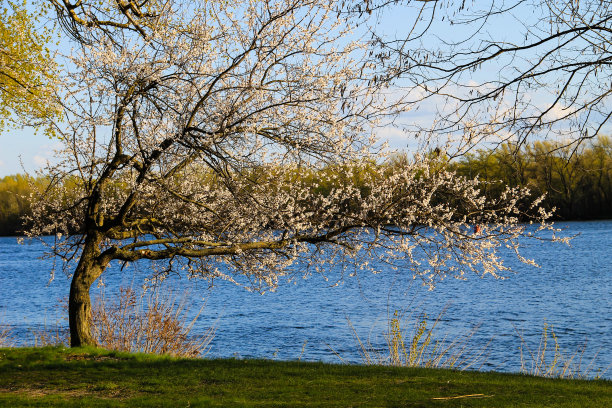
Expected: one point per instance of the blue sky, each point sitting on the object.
(24, 150)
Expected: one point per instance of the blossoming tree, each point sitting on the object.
(232, 140)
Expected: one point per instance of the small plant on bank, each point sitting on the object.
(413, 343)
(50, 336)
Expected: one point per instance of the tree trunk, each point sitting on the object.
(79, 302)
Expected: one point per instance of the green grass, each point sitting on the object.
(55, 376)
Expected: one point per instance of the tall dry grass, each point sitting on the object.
(149, 322)
(50, 336)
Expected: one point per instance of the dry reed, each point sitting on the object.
(50, 336)
(420, 346)
(549, 360)
(6, 336)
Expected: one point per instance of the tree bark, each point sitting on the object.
(79, 303)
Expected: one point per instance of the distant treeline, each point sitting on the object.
(576, 181)
(15, 194)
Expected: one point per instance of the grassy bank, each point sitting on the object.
(63, 377)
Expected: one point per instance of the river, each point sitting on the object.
(571, 291)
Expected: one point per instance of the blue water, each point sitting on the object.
(572, 291)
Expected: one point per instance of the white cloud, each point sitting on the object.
(45, 154)
(391, 133)
(557, 112)
(40, 161)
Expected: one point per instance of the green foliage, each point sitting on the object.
(27, 69)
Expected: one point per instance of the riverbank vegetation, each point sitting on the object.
(577, 182)
(95, 377)
(15, 194)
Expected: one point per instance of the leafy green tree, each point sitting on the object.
(27, 69)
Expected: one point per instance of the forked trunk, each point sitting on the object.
(79, 302)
